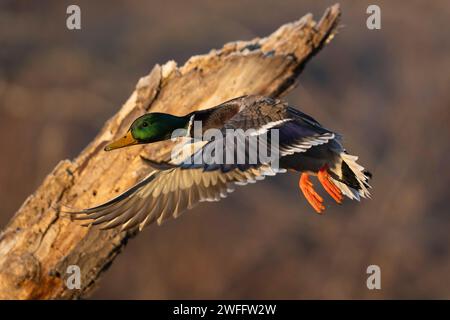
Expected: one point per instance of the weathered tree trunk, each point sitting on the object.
(38, 244)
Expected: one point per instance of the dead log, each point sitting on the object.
(38, 244)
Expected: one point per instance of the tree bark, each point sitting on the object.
(39, 244)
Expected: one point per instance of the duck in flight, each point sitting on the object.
(181, 181)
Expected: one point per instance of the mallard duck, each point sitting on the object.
(180, 181)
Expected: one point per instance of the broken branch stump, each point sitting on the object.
(38, 245)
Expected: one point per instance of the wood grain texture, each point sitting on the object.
(39, 244)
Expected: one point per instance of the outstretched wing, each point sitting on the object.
(167, 193)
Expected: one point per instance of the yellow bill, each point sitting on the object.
(125, 141)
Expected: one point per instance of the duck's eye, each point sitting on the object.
(144, 124)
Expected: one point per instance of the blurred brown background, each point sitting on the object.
(387, 91)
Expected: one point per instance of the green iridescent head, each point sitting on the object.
(151, 127)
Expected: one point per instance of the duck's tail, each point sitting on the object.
(351, 178)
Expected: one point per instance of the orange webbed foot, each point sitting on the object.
(310, 194)
(328, 185)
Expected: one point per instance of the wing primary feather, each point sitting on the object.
(123, 217)
(119, 198)
(139, 216)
